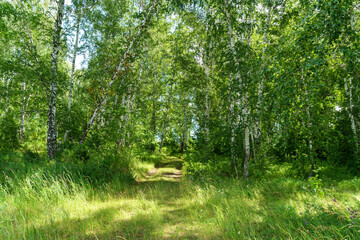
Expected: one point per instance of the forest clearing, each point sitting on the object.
(179, 119)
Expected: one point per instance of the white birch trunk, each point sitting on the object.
(257, 130)
(247, 152)
(165, 119)
(207, 105)
(7, 80)
(51, 132)
(208, 88)
(126, 118)
(245, 123)
(234, 161)
(131, 110)
(309, 124)
(114, 106)
(349, 92)
(311, 155)
(183, 144)
(252, 137)
(23, 113)
(153, 115)
(121, 123)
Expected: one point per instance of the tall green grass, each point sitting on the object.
(55, 200)
(42, 207)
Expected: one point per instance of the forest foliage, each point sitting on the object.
(240, 86)
(255, 102)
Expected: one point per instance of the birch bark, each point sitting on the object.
(309, 124)
(7, 80)
(165, 118)
(120, 141)
(23, 112)
(349, 92)
(184, 138)
(131, 110)
(208, 87)
(244, 95)
(257, 129)
(51, 132)
(154, 100)
(234, 161)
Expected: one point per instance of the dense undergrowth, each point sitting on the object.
(99, 197)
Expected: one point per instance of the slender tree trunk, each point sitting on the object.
(153, 115)
(247, 152)
(113, 109)
(127, 116)
(253, 141)
(73, 73)
(207, 106)
(23, 113)
(101, 115)
(126, 103)
(349, 92)
(7, 80)
(257, 125)
(165, 118)
(208, 73)
(131, 111)
(309, 125)
(244, 106)
(51, 132)
(245, 123)
(132, 107)
(184, 138)
(118, 69)
(120, 142)
(349, 89)
(311, 155)
(234, 161)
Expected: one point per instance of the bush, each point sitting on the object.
(107, 164)
(207, 164)
(8, 132)
(31, 157)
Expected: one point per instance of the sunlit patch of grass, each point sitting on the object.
(141, 168)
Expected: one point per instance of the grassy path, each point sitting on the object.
(169, 169)
(162, 210)
(159, 205)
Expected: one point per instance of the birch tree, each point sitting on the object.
(239, 81)
(52, 132)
